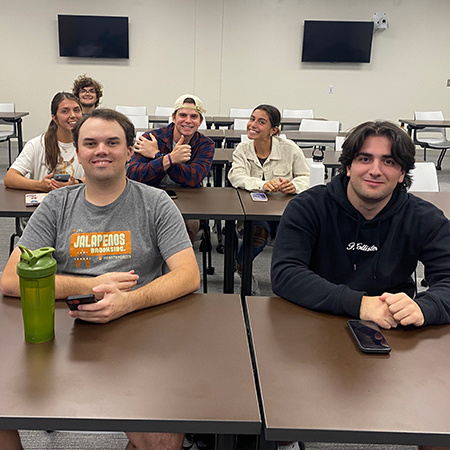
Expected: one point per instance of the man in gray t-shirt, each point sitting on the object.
(122, 240)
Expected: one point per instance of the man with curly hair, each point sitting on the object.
(89, 92)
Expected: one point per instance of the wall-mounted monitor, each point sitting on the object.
(337, 41)
(93, 36)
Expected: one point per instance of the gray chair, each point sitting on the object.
(433, 138)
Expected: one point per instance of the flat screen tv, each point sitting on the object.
(93, 36)
(332, 41)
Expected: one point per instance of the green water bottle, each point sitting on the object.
(36, 270)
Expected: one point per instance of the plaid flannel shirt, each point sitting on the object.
(190, 174)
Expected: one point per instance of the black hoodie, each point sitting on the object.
(327, 255)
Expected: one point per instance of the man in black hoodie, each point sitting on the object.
(351, 246)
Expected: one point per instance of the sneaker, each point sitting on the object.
(289, 446)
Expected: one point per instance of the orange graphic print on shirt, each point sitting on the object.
(85, 246)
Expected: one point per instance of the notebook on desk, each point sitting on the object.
(34, 199)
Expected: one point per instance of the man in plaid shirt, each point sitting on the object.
(176, 155)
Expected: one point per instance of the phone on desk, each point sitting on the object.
(259, 196)
(368, 336)
(74, 300)
(171, 193)
(64, 177)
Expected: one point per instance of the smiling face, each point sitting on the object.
(259, 126)
(374, 174)
(67, 115)
(186, 121)
(88, 97)
(102, 150)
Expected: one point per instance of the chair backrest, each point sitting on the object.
(7, 107)
(432, 135)
(163, 111)
(298, 113)
(338, 143)
(237, 112)
(139, 121)
(424, 177)
(132, 110)
(240, 124)
(320, 125)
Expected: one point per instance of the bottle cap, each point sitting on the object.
(318, 153)
(36, 264)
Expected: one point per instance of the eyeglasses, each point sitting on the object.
(88, 91)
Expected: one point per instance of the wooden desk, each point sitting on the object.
(271, 210)
(217, 204)
(201, 203)
(418, 124)
(232, 137)
(15, 118)
(316, 385)
(179, 367)
(439, 199)
(227, 121)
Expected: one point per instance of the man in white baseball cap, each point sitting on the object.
(175, 155)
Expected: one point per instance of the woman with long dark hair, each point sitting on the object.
(50, 153)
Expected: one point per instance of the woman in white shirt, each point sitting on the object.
(267, 163)
(50, 153)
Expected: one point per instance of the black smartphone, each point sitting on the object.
(368, 336)
(171, 193)
(61, 177)
(74, 300)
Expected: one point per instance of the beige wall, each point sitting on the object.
(232, 53)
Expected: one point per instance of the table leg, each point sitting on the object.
(266, 445)
(247, 264)
(230, 244)
(19, 135)
(226, 442)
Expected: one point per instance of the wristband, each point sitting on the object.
(79, 181)
(170, 160)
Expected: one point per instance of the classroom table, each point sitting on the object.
(227, 121)
(316, 385)
(413, 124)
(272, 210)
(220, 203)
(179, 367)
(15, 118)
(233, 137)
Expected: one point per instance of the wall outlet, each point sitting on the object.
(448, 82)
(331, 88)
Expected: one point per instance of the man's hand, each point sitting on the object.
(145, 147)
(372, 308)
(123, 281)
(113, 305)
(403, 308)
(181, 153)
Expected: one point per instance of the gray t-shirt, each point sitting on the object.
(138, 231)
